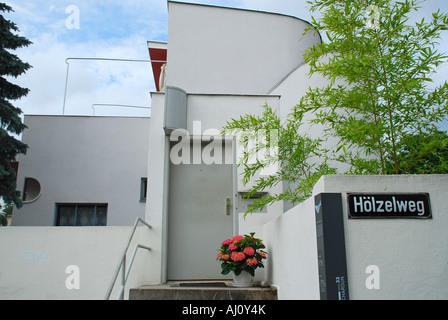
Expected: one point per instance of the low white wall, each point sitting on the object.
(33, 261)
(292, 253)
(411, 255)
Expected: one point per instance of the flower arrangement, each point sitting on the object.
(241, 253)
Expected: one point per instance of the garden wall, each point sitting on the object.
(386, 258)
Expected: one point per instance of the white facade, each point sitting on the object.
(83, 161)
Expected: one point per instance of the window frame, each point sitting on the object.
(143, 189)
(76, 205)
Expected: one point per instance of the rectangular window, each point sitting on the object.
(81, 215)
(143, 189)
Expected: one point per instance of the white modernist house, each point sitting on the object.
(221, 64)
(96, 175)
(218, 64)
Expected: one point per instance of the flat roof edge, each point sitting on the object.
(247, 95)
(84, 116)
(244, 9)
(157, 44)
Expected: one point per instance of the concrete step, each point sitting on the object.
(203, 290)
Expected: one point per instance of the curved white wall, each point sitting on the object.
(224, 50)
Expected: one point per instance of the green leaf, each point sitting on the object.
(375, 95)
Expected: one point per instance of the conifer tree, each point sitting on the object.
(11, 123)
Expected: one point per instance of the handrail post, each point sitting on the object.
(145, 223)
(122, 263)
(123, 278)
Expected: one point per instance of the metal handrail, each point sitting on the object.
(97, 59)
(122, 263)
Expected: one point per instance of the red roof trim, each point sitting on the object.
(156, 56)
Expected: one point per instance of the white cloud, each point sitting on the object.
(89, 81)
(108, 29)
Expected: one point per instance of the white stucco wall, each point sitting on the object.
(84, 160)
(224, 50)
(411, 254)
(213, 111)
(295, 86)
(292, 253)
(156, 161)
(33, 261)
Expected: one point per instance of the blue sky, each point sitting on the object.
(116, 29)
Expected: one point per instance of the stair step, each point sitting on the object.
(201, 291)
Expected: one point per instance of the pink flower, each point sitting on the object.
(219, 256)
(251, 262)
(249, 251)
(238, 256)
(237, 239)
(233, 247)
(225, 257)
(262, 254)
(226, 242)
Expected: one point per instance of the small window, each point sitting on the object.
(245, 202)
(31, 190)
(143, 189)
(81, 215)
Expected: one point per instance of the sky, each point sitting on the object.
(112, 29)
